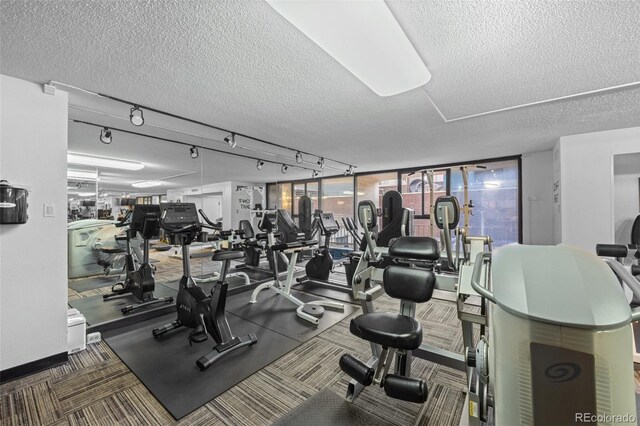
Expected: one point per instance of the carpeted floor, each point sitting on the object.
(95, 387)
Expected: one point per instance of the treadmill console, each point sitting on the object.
(328, 223)
(141, 212)
(178, 215)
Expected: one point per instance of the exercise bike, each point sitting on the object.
(204, 314)
(140, 283)
(319, 267)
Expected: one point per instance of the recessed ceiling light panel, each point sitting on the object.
(364, 37)
(81, 175)
(147, 184)
(97, 161)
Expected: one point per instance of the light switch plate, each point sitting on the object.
(49, 210)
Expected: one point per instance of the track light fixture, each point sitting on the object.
(231, 140)
(315, 174)
(135, 116)
(193, 152)
(350, 171)
(105, 136)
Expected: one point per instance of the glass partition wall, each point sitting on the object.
(492, 189)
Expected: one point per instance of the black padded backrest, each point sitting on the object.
(246, 227)
(401, 282)
(287, 227)
(305, 216)
(450, 203)
(418, 248)
(393, 229)
(391, 207)
(635, 231)
(269, 223)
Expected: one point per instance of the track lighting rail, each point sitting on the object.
(191, 146)
(137, 119)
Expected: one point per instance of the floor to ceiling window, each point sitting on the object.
(492, 189)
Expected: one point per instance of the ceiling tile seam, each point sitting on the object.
(541, 102)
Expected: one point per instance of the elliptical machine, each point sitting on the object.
(140, 282)
(204, 314)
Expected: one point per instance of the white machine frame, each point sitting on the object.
(285, 289)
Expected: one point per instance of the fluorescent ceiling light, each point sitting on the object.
(364, 37)
(94, 160)
(146, 184)
(86, 194)
(81, 174)
(492, 184)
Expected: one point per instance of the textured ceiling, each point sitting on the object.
(240, 65)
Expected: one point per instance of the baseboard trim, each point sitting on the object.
(33, 367)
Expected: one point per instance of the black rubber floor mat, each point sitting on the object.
(167, 365)
(277, 313)
(327, 408)
(327, 292)
(98, 311)
(92, 283)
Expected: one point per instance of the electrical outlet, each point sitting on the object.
(94, 337)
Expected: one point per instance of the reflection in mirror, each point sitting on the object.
(105, 182)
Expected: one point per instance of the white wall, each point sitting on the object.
(233, 202)
(626, 195)
(243, 202)
(33, 256)
(587, 184)
(537, 198)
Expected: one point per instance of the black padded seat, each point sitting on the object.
(420, 248)
(113, 250)
(221, 255)
(387, 329)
